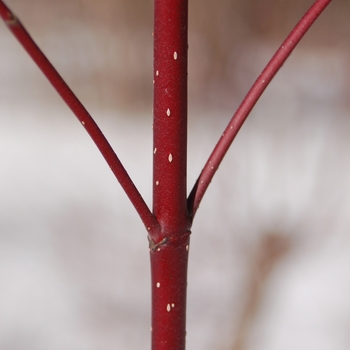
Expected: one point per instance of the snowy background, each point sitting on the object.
(270, 249)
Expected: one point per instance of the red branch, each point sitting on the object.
(170, 115)
(169, 254)
(169, 227)
(84, 117)
(249, 102)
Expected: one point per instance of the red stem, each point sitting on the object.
(84, 117)
(169, 253)
(170, 225)
(249, 102)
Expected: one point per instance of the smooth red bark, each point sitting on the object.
(169, 285)
(249, 102)
(83, 116)
(169, 226)
(170, 114)
(169, 252)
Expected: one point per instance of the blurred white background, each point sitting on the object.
(270, 248)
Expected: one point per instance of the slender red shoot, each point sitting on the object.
(83, 116)
(249, 102)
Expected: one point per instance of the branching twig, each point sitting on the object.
(84, 117)
(249, 102)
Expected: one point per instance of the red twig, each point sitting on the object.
(169, 254)
(249, 102)
(169, 227)
(84, 117)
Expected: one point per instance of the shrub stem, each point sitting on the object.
(83, 116)
(169, 252)
(249, 102)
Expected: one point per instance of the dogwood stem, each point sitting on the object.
(83, 116)
(169, 253)
(249, 102)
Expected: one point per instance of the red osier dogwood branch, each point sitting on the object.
(82, 114)
(169, 225)
(250, 100)
(169, 260)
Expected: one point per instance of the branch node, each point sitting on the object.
(156, 246)
(11, 20)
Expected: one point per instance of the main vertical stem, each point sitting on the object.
(169, 251)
